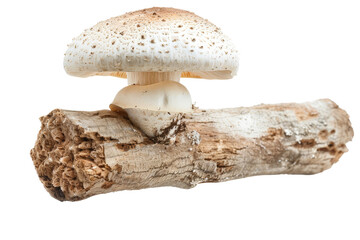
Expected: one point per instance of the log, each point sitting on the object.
(80, 154)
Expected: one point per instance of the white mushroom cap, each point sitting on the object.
(153, 40)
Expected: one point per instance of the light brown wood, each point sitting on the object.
(81, 154)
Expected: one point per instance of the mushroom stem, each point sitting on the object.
(146, 78)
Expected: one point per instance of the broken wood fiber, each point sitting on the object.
(80, 154)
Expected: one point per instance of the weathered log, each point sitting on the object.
(81, 154)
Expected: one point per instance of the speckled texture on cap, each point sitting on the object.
(153, 40)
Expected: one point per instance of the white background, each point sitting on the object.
(290, 51)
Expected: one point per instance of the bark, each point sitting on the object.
(80, 154)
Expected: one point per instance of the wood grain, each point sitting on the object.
(80, 154)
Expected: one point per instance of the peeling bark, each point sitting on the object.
(81, 154)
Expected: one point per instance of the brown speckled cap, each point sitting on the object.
(153, 40)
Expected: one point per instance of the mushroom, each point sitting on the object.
(153, 48)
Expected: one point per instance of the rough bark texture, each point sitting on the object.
(81, 154)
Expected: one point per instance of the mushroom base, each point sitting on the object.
(167, 96)
(160, 126)
(163, 126)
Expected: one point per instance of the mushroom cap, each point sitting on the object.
(153, 40)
